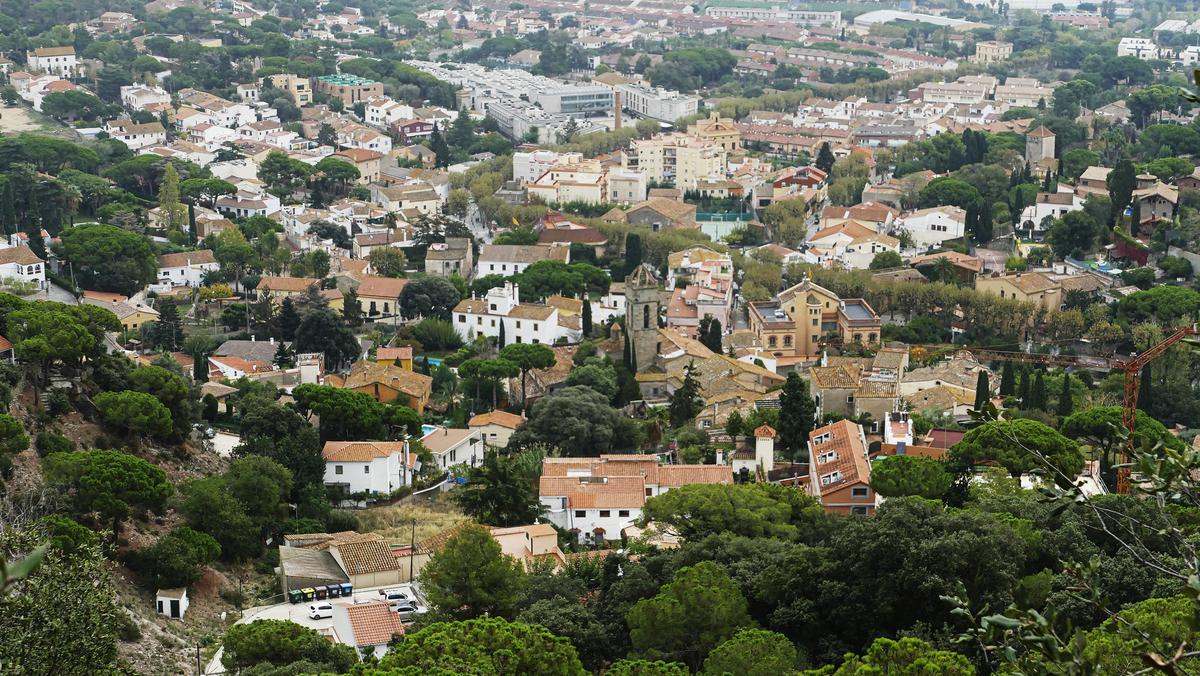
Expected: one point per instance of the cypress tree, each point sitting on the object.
(1065, 405)
(500, 338)
(1024, 389)
(1039, 393)
(170, 326)
(797, 414)
(587, 315)
(289, 319)
(633, 358)
(8, 210)
(200, 367)
(634, 253)
(1008, 383)
(983, 391)
(625, 356)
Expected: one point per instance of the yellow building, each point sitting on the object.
(1027, 287)
(386, 383)
(278, 288)
(803, 318)
(717, 129)
(677, 159)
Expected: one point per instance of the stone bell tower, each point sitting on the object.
(641, 314)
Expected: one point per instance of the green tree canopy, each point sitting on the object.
(107, 258)
(698, 610)
(282, 642)
(471, 577)
(500, 491)
(1016, 446)
(110, 484)
(753, 510)
(753, 652)
(901, 475)
(905, 657)
(482, 646)
(136, 413)
(576, 420)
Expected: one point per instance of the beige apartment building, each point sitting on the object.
(676, 159)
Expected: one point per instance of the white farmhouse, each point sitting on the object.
(930, 227)
(186, 268)
(368, 466)
(58, 61)
(502, 307)
(21, 264)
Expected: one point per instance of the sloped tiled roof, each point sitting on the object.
(501, 418)
(370, 556)
(373, 623)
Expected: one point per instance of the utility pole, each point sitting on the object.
(412, 550)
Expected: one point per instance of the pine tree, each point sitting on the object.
(983, 391)
(1065, 405)
(171, 210)
(797, 415)
(1039, 393)
(1008, 383)
(586, 318)
(289, 319)
(284, 357)
(170, 326)
(1024, 389)
(825, 158)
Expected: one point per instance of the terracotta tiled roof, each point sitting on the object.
(21, 255)
(186, 258)
(365, 373)
(684, 475)
(626, 492)
(765, 431)
(442, 440)
(394, 353)
(848, 459)
(285, 284)
(381, 287)
(839, 377)
(361, 558)
(373, 622)
(501, 418)
(360, 451)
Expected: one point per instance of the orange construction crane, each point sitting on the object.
(1133, 372)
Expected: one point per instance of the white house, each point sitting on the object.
(21, 264)
(512, 259)
(600, 497)
(368, 627)
(136, 136)
(930, 227)
(59, 61)
(139, 97)
(186, 268)
(383, 111)
(455, 446)
(1142, 48)
(248, 203)
(859, 252)
(1052, 204)
(521, 323)
(368, 466)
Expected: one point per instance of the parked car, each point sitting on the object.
(394, 596)
(320, 611)
(407, 611)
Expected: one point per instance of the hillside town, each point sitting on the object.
(604, 337)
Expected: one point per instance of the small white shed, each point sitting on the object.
(172, 602)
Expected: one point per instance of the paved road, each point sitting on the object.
(57, 294)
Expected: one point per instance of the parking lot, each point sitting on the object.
(298, 613)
